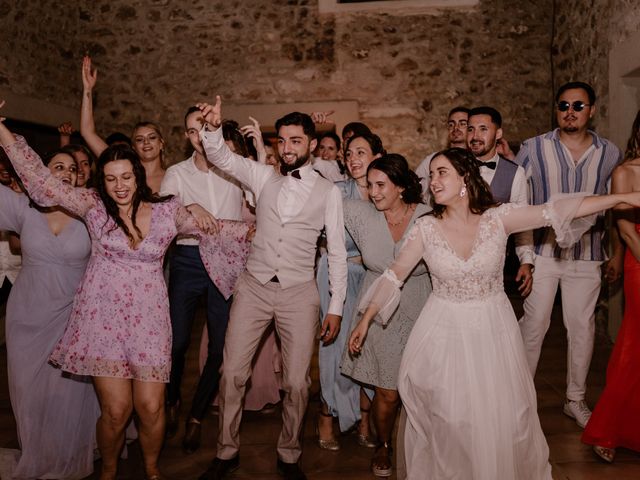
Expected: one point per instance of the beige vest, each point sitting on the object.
(287, 250)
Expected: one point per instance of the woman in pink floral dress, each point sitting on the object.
(119, 331)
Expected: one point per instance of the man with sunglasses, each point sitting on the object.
(571, 159)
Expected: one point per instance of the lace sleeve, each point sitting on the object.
(558, 213)
(223, 254)
(383, 295)
(44, 188)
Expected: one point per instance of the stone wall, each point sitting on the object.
(585, 33)
(157, 57)
(39, 47)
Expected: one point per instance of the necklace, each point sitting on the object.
(360, 185)
(399, 222)
(129, 212)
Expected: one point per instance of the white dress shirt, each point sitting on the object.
(329, 169)
(9, 263)
(292, 197)
(214, 190)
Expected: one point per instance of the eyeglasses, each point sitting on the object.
(577, 106)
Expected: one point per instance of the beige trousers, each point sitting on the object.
(296, 314)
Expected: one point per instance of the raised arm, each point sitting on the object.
(43, 188)
(253, 132)
(570, 216)
(224, 253)
(87, 124)
(252, 174)
(383, 296)
(626, 217)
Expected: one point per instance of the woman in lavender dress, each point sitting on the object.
(55, 249)
(119, 331)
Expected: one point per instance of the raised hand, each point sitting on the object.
(89, 75)
(503, 149)
(322, 117)
(65, 129)
(212, 113)
(253, 132)
(2, 119)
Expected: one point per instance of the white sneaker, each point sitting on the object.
(578, 410)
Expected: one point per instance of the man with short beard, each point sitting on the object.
(506, 180)
(569, 159)
(279, 283)
(457, 137)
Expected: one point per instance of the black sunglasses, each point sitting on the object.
(578, 106)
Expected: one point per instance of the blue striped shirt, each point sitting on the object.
(550, 169)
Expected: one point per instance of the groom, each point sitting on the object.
(292, 209)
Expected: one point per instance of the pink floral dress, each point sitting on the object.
(119, 325)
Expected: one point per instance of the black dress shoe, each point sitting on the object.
(290, 471)
(219, 468)
(191, 440)
(173, 414)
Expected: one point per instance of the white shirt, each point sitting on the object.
(292, 197)
(215, 191)
(9, 263)
(519, 196)
(329, 169)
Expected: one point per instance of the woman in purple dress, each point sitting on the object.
(119, 331)
(55, 249)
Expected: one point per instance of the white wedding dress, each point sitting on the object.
(464, 379)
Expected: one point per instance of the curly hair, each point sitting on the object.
(142, 194)
(396, 167)
(633, 145)
(479, 193)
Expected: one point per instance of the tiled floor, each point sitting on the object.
(570, 458)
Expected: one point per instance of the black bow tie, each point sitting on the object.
(296, 174)
(491, 165)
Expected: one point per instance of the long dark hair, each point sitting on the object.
(633, 145)
(396, 167)
(142, 194)
(479, 193)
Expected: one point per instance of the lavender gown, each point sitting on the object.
(55, 413)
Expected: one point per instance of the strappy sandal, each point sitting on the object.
(366, 440)
(381, 461)
(332, 444)
(606, 454)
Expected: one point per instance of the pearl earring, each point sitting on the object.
(463, 191)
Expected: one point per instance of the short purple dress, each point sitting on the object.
(119, 325)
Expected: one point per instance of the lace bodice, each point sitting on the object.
(476, 277)
(480, 275)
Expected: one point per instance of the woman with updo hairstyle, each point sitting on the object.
(379, 229)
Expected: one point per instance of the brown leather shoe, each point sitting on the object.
(173, 415)
(191, 441)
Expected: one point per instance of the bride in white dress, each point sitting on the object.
(464, 379)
